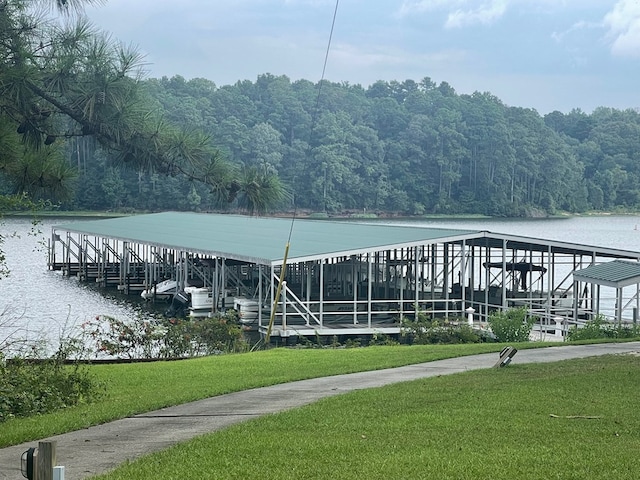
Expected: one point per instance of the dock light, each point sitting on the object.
(506, 355)
(27, 463)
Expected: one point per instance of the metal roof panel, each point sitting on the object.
(258, 239)
(262, 240)
(618, 273)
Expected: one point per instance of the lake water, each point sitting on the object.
(37, 303)
(40, 303)
(611, 231)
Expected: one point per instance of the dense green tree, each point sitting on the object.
(63, 79)
(265, 146)
(417, 147)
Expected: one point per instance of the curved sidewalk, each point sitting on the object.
(97, 449)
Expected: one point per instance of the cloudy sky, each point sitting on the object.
(544, 54)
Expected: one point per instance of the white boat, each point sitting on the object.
(247, 309)
(201, 304)
(162, 289)
(201, 301)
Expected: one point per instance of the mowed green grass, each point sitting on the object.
(488, 424)
(142, 387)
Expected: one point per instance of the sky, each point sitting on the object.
(542, 54)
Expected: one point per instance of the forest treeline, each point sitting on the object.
(408, 147)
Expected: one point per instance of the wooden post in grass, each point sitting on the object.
(46, 460)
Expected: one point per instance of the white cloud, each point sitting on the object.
(313, 3)
(462, 13)
(225, 41)
(410, 7)
(624, 28)
(353, 57)
(484, 14)
(576, 27)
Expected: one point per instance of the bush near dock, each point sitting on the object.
(165, 338)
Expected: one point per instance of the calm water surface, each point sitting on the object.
(44, 303)
(41, 304)
(613, 231)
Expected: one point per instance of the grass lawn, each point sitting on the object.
(487, 424)
(142, 387)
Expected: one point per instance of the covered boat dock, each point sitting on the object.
(341, 277)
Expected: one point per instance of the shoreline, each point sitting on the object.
(305, 214)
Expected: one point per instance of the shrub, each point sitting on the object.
(598, 327)
(452, 334)
(32, 386)
(353, 343)
(166, 338)
(423, 330)
(118, 338)
(511, 325)
(382, 339)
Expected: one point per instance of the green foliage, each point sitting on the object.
(511, 325)
(598, 328)
(353, 343)
(34, 383)
(421, 150)
(165, 338)
(31, 384)
(194, 199)
(382, 339)
(31, 388)
(68, 82)
(425, 330)
(377, 339)
(258, 189)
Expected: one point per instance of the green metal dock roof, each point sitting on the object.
(617, 274)
(260, 240)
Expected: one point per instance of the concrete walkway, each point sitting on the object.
(97, 449)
